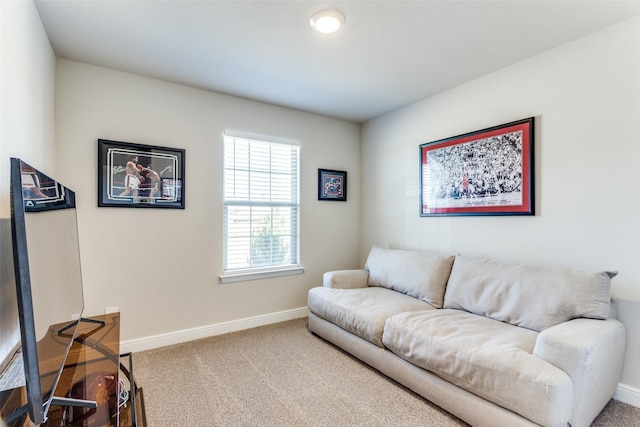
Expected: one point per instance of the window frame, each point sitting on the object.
(258, 273)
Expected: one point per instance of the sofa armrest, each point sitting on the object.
(345, 279)
(591, 352)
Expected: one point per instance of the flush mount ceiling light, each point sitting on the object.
(327, 21)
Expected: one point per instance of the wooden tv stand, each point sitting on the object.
(94, 371)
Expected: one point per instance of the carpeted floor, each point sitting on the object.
(282, 375)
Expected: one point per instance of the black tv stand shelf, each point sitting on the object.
(96, 373)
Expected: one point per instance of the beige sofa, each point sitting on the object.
(492, 342)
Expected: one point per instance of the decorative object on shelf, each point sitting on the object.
(487, 172)
(136, 175)
(332, 185)
(101, 387)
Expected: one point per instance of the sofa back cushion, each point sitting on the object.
(419, 274)
(533, 297)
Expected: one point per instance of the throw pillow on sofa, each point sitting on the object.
(530, 296)
(420, 274)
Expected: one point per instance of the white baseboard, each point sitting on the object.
(161, 340)
(628, 394)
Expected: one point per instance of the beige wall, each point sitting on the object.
(161, 267)
(27, 92)
(586, 99)
(27, 89)
(585, 96)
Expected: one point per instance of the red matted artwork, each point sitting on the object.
(487, 172)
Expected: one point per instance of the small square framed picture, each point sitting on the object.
(332, 185)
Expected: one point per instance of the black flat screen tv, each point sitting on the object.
(48, 279)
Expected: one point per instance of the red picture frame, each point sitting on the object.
(487, 172)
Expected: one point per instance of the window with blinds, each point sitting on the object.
(261, 203)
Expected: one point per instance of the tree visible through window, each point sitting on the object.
(261, 203)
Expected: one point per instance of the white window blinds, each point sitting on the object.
(261, 203)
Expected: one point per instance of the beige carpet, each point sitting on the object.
(282, 375)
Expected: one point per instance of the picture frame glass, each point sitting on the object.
(136, 175)
(487, 172)
(332, 185)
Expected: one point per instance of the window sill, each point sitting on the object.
(246, 276)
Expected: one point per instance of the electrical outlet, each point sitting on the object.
(111, 310)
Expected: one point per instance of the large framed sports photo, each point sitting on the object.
(487, 172)
(141, 176)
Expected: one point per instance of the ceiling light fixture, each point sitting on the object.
(327, 21)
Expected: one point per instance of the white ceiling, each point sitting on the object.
(388, 55)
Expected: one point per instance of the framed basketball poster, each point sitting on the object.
(487, 172)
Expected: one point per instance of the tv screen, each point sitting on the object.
(48, 280)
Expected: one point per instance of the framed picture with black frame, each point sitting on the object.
(140, 176)
(486, 172)
(332, 185)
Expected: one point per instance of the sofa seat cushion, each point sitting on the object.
(489, 358)
(420, 274)
(534, 297)
(361, 311)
